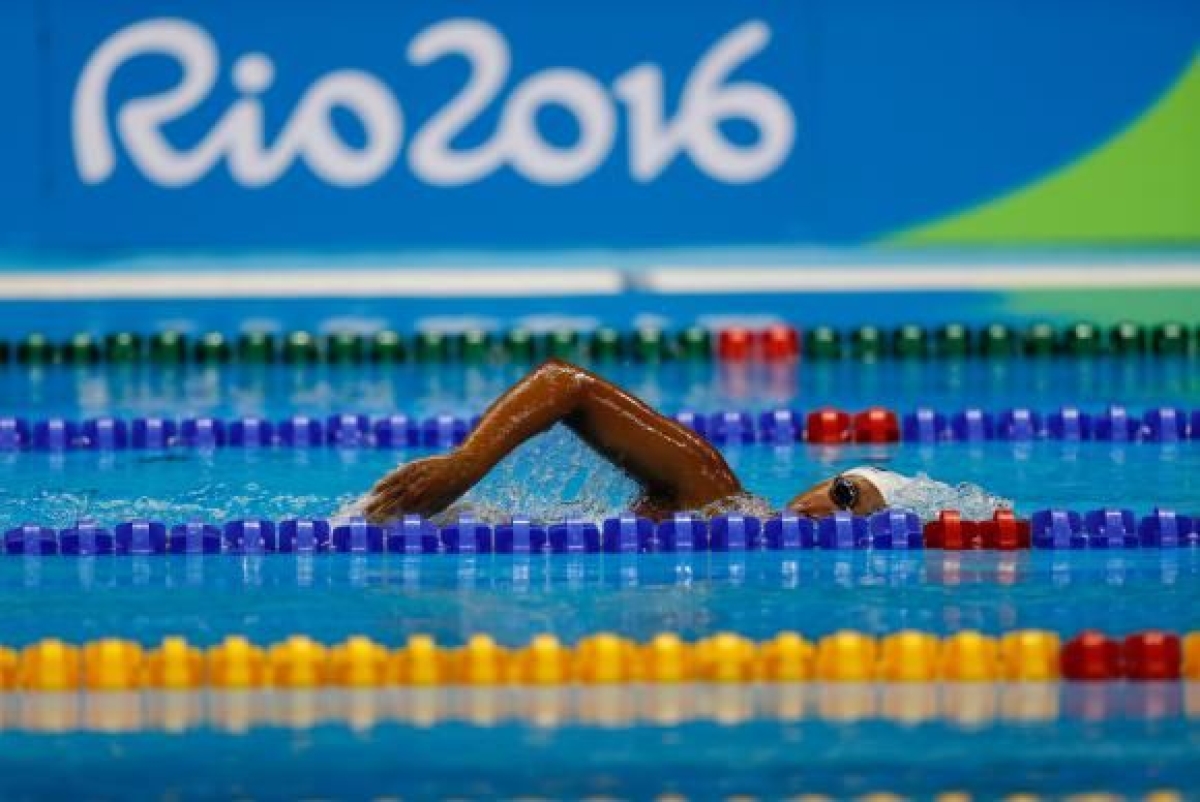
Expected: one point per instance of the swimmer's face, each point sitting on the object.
(821, 500)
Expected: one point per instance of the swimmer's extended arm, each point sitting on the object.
(676, 467)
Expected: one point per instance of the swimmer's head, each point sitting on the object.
(861, 491)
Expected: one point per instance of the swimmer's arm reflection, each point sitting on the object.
(675, 467)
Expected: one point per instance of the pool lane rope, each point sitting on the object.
(681, 534)
(113, 664)
(775, 343)
(826, 426)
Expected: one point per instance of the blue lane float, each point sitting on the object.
(395, 431)
(972, 426)
(733, 426)
(250, 537)
(141, 537)
(153, 433)
(782, 427)
(31, 540)
(788, 532)
(357, 537)
(86, 539)
(416, 535)
(887, 530)
(202, 433)
(574, 537)
(1168, 529)
(1069, 424)
(1111, 529)
(627, 534)
(194, 538)
(736, 533)
(303, 535)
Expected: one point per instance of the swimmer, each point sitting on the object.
(676, 469)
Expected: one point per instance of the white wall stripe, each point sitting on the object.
(357, 283)
(871, 278)
(569, 280)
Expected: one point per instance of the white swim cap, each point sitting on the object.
(888, 483)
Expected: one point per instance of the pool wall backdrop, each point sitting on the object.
(533, 126)
(598, 164)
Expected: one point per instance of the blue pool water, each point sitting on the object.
(702, 761)
(184, 485)
(425, 390)
(389, 597)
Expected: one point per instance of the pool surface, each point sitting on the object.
(275, 391)
(1121, 753)
(920, 739)
(555, 477)
(333, 596)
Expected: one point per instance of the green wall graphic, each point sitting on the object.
(1141, 187)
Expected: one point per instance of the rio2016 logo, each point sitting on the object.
(708, 99)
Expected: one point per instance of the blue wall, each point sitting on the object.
(883, 115)
(21, 190)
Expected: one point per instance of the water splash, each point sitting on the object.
(551, 478)
(557, 477)
(212, 502)
(927, 497)
(739, 504)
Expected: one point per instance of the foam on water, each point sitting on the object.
(208, 502)
(927, 497)
(551, 478)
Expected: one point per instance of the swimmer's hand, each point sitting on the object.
(422, 487)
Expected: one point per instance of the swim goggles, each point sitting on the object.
(843, 493)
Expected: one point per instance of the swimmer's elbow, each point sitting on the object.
(557, 383)
(559, 365)
(563, 374)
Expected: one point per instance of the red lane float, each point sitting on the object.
(950, 532)
(1092, 656)
(1153, 655)
(775, 343)
(827, 426)
(876, 425)
(735, 344)
(779, 342)
(1004, 532)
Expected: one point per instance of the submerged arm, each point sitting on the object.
(676, 468)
